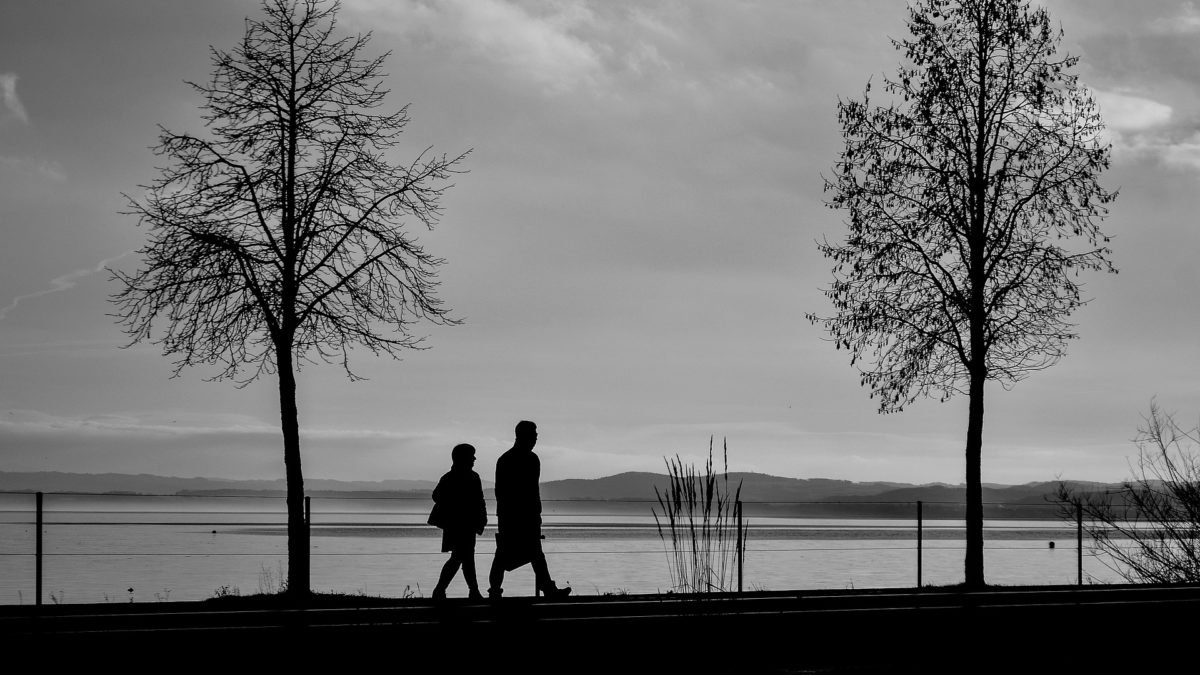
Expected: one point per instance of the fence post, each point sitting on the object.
(740, 552)
(1079, 540)
(308, 536)
(38, 553)
(920, 534)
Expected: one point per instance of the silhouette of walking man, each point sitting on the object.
(460, 511)
(519, 515)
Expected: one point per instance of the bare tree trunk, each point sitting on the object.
(298, 549)
(974, 557)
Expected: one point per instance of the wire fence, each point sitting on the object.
(112, 547)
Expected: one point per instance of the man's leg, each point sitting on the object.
(496, 574)
(541, 576)
(541, 572)
(496, 577)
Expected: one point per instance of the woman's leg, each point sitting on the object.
(448, 572)
(468, 568)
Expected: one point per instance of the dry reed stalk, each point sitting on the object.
(701, 520)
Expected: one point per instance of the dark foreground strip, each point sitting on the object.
(1054, 630)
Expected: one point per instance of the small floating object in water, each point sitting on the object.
(1051, 544)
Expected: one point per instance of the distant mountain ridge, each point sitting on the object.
(756, 486)
(776, 495)
(629, 486)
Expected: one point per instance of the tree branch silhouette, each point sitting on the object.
(280, 238)
(973, 202)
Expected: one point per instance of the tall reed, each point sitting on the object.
(701, 534)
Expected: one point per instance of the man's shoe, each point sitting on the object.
(553, 592)
(474, 594)
(439, 594)
(495, 593)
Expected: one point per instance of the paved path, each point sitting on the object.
(1055, 629)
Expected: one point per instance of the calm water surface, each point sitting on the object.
(121, 548)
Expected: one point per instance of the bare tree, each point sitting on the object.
(973, 202)
(1149, 529)
(278, 239)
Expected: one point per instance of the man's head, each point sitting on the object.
(526, 434)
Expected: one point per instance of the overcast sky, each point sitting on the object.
(632, 252)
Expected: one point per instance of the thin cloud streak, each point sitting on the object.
(232, 446)
(63, 283)
(47, 169)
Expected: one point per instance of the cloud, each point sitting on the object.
(8, 97)
(62, 283)
(639, 55)
(1171, 148)
(1140, 127)
(536, 45)
(1125, 113)
(1184, 153)
(1187, 21)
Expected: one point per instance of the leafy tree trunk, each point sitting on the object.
(978, 184)
(298, 548)
(974, 202)
(974, 557)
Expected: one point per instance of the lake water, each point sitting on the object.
(97, 548)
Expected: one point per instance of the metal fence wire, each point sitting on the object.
(918, 526)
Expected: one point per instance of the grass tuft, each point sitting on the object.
(703, 534)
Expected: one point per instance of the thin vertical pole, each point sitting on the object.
(1079, 540)
(38, 554)
(920, 537)
(740, 552)
(308, 534)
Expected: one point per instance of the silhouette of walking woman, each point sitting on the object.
(519, 515)
(459, 509)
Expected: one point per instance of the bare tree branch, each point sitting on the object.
(281, 236)
(1148, 530)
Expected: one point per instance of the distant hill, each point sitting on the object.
(755, 486)
(766, 495)
(763, 494)
(1028, 493)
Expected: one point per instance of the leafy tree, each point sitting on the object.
(973, 202)
(278, 239)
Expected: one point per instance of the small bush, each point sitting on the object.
(1149, 529)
